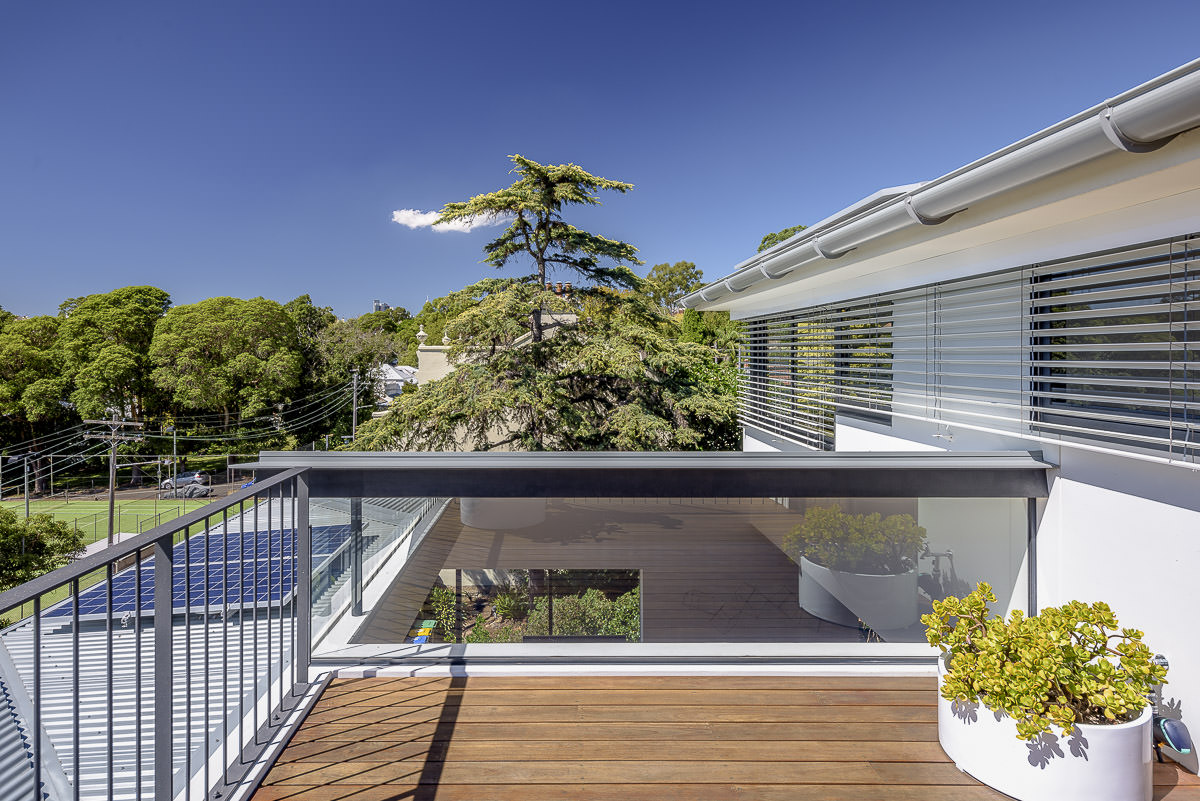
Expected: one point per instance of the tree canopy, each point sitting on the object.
(33, 387)
(234, 355)
(533, 206)
(667, 284)
(105, 340)
(29, 548)
(613, 375)
(771, 240)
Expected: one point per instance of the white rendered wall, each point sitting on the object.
(1115, 529)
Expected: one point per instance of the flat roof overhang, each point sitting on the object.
(1001, 474)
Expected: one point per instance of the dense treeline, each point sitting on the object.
(234, 375)
(221, 375)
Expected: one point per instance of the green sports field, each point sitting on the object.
(91, 517)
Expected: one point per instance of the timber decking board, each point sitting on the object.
(603, 738)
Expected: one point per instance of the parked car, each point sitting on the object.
(185, 479)
(188, 491)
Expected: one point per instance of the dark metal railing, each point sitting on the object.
(129, 670)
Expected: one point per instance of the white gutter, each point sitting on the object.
(1137, 121)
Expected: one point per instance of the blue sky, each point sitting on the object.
(260, 148)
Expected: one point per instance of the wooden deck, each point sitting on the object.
(630, 738)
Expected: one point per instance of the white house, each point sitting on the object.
(1045, 297)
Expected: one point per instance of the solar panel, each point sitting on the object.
(233, 575)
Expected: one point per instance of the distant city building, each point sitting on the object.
(379, 305)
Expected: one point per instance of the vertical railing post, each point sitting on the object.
(356, 556)
(302, 539)
(163, 668)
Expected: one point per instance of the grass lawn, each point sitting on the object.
(91, 516)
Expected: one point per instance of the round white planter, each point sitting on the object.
(884, 603)
(495, 514)
(819, 602)
(1097, 763)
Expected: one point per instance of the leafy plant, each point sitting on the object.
(442, 601)
(856, 543)
(510, 603)
(589, 614)
(505, 633)
(29, 548)
(1066, 665)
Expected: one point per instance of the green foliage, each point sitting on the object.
(711, 328)
(502, 633)
(534, 204)
(386, 321)
(105, 340)
(236, 356)
(615, 378)
(33, 384)
(442, 602)
(29, 548)
(510, 603)
(668, 283)
(771, 240)
(853, 543)
(1069, 664)
(590, 614)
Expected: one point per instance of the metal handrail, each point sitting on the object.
(23, 594)
(221, 755)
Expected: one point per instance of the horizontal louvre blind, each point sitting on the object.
(1101, 349)
(1116, 348)
(975, 342)
(798, 369)
(786, 375)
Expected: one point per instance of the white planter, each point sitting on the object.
(884, 603)
(820, 603)
(1097, 763)
(499, 514)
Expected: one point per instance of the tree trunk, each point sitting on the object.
(42, 473)
(536, 317)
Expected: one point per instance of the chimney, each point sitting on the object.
(566, 289)
(558, 288)
(549, 287)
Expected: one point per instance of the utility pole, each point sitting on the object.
(113, 438)
(26, 463)
(354, 419)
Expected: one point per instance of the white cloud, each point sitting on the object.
(425, 219)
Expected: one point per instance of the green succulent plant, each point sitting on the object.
(1069, 664)
(873, 544)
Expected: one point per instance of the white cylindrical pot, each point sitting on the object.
(884, 603)
(495, 514)
(818, 602)
(1096, 763)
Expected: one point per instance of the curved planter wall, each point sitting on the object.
(819, 602)
(883, 603)
(1098, 763)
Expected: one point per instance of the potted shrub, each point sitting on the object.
(1052, 706)
(858, 566)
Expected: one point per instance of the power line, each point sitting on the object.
(284, 427)
(305, 402)
(54, 437)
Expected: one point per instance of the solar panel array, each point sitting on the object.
(235, 573)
